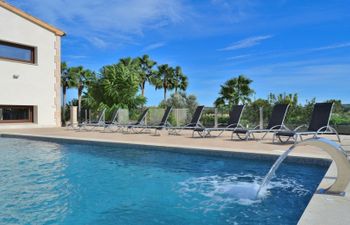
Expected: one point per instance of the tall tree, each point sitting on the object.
(146, 71)
(83, 78)
(164, 79)
(128, 61)
(116, 87)
(180, 80)
(67, 81)
(234, 91)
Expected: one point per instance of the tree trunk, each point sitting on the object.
(64, 105)
(80, 90)
(165, 87)
(143, 89)
(164, 94)
(175, 89)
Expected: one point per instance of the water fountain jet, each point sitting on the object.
(334, 150)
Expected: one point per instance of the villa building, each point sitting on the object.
(30, 94)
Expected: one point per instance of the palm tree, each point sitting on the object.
(128, 61)
(164, 79)
(235, 91)
(67, 81)
(180, 80)
(82, 79)
(146, 71)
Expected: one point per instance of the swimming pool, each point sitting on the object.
(68, 183)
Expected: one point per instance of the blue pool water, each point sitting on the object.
(60, 183)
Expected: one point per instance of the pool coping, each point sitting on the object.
(319, 160)
(315, 212)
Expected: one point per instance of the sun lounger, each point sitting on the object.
(90, 125)
(319, 124)
(161, 125)
(276, 123)
(140, 122)
(113, 123)
(195, 123)
(233, 123)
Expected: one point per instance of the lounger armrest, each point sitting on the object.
(285, 127)
(276, 126)
(231, 125)
(193, 124)
(200, 125)
(256, 127)
(299, 127)
(189, 124)
(322, 128)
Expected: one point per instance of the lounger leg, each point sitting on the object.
(128, 130)
(119, 129)
(201, 134)
(336, 133)
(264, 136)
(298, 136)
(251, 135)
(247, 136)
(221, 133)
(142, 129)
(156, 132)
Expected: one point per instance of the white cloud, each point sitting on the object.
(334, 46)
(234, 11)
(238, 57)
(98, 42)
(246, 43)
(106, 21)
(153, 46)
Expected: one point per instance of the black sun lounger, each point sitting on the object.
(113, 123)
(163, 123)
(140, 121)
(234, 123)
(276, 123)
(190, 126)
(319, 124)
(90, 125)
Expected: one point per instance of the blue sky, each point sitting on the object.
(291, 46)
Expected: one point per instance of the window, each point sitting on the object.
(16, 114)
(17, 52)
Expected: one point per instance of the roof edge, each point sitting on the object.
(32, 19)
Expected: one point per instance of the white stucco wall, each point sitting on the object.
(36, 83)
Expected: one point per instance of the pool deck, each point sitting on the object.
(322, 209)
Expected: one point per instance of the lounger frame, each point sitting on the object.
(298, 135)
(250, 132)
(164, 124)
(206, 132)
(195, 123)
(101, 122)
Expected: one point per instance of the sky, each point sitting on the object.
(291, 46)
